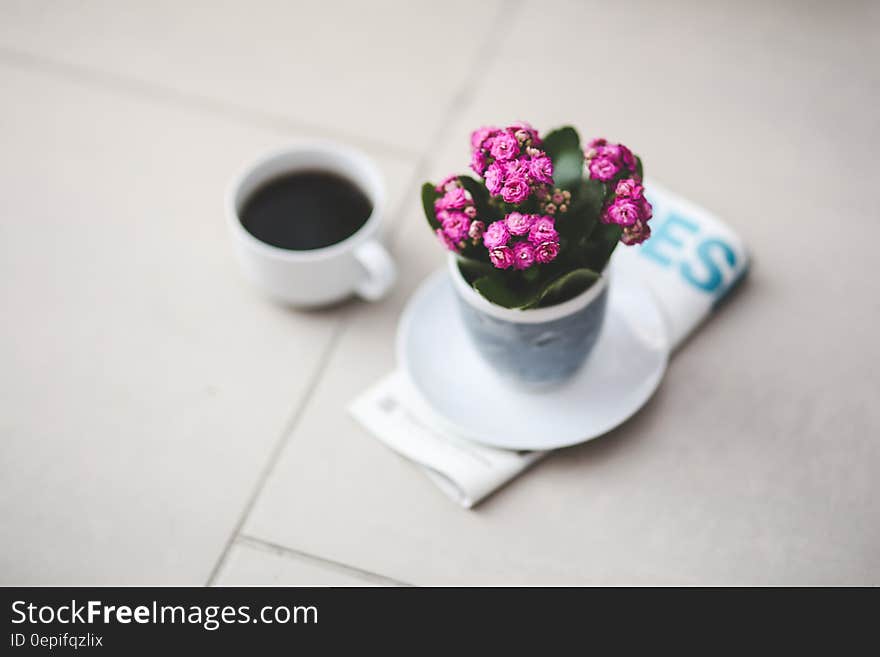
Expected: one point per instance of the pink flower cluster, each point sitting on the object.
(606, 161)
(455, 211)
(521, 240)
(518, 175)
(510, 161)
(630, 209)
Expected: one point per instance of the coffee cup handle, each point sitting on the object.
(381, 272)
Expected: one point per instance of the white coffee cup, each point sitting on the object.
(358, 264)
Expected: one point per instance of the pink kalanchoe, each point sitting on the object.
(478, 162)
(449, 182)
(631, 210)
(630, 188)
(603, 168)
(501, 257)
(480, 135)
(518, 168)
(541, 169)
(619, 154)
(503, 147)
(515, 190)
(476, 230)
(543, 230)
(445, 240)
(636, 234)
(607, 160)
(546, 252)
(629, 206)
(496, 235)
(593, 147)
(518, 223)
(646, 208)
(626, 157)
(623, 212)
(514, 168)
(521, 135)
(526, 130)
(455, 199)
(456, 226)
(523, 255)
(495, 178)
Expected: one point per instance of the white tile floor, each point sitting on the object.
(162, 423)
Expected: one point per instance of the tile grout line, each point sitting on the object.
(485, 55)
(112, 82)
(289, 427)
(298, 555)
(151, 91)
(277, 449)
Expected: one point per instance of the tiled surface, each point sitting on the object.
(151, 401)
(254, 563)
(144, 384)
(384, 71)
(731, 474)
(754, 463)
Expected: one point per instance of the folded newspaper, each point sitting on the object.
(690, 263)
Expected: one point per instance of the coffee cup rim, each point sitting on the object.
(272, 164)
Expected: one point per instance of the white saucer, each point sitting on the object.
(471, 400)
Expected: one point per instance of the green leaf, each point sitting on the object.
(486, 211)
(568, 168)
(590, 196)
(477, 190)
(582, 216)
(497, 290)
(564, 148)
(566, 287)
(429, 195)
(531, 274)
(561, 139)
(601, 244)
(639, 170)
(472, 269)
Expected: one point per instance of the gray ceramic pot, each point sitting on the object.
(539, 347)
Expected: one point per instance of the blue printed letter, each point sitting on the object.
(714, 277)
(663, 233)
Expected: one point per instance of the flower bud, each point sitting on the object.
(476, 230)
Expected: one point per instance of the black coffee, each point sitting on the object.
(306, 210)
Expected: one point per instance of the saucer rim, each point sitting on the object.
(435, 279)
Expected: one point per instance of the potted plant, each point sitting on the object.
(530, 238)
